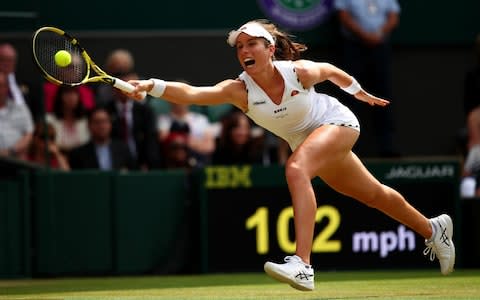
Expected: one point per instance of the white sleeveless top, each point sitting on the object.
(301, 110)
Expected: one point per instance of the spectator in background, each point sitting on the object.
(472, 81)
(366, 27)
(69, 119)
(134, 124)
(236, 145)
(86, 93)
(472, 100)
(44, 148)
(118, 63)
(471, 173)
(101, 151)
(177, 154)
(19, 91)
(200, 132)
(16, 124)
(470, 134)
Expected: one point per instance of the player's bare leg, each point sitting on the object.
(300, 168)
(353, 179)
(321, 150)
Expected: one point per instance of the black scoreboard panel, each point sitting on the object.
(250, 223)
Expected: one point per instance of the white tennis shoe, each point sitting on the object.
(441, 244)
(294, 271)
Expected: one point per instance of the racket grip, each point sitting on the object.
(125, 86)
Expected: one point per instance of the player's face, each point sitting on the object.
(252, 52)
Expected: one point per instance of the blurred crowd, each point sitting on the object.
(469, 136)
(96, 126)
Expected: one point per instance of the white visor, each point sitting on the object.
(252, 29)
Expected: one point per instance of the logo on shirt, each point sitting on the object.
(259, 102)
(280, 113)
(276, 111)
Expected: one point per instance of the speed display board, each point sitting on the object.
(248, 218)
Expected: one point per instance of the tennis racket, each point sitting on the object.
(47, 41)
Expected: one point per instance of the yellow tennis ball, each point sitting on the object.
(63, 58)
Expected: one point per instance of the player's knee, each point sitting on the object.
(294, 170)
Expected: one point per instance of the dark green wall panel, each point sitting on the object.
(149, 212)
(423, 22)
(12, 248)
(73, 222)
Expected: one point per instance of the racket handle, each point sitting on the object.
(125, 86)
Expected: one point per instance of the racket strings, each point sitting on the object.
(47, 44)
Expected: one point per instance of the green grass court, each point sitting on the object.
(411, 284)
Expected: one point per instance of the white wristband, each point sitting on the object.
(158, 87)
(353, 88)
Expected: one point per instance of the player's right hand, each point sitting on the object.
(141, 88)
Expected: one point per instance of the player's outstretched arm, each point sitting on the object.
(311, 73)
(227, 91)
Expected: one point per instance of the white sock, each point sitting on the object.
(301, 260)
(434, 230)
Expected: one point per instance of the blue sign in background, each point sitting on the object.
(297, 15)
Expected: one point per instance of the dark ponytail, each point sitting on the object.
(285, 47)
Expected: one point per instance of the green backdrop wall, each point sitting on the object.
(15, 259)
(93, 222)
(106, 223)
(423, 22)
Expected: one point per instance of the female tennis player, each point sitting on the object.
(276, 90)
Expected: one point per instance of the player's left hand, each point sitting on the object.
(371, 99)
